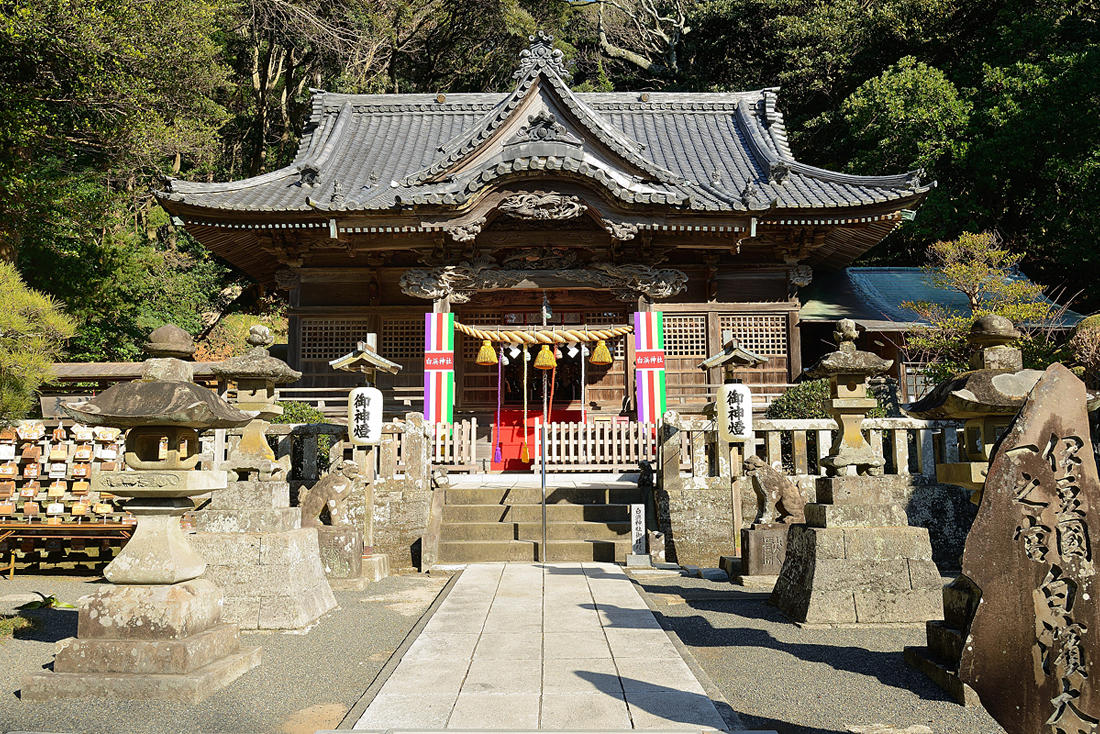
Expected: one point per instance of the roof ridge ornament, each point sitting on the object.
(541, 54)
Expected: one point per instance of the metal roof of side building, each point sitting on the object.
(873, 298)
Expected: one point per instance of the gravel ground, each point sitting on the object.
(794, 680)
(304, 682)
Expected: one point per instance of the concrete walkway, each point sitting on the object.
(525, 647)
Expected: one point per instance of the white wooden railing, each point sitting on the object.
(598, 446)
(454, 445)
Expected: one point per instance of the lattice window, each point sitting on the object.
(402, 338)
(617, 346)
(329, 339)
(765, 335)
(485, 319)
(685, 336)
(917, 382)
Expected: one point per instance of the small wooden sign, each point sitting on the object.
(57, 471)
(28, 492)
(57, 489)
(7, 489)
(82, 434)
(81, 487)
(59, 453)
(55, 508)
(7, 508)
(7, 451)
(83, 453)
(8, 471)
(103, 508)
(31, 471)
(80, 509)
(30, 509)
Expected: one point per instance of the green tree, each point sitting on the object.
(976, 266)
(33, 330)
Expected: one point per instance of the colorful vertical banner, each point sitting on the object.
(649, 364)
(439, 367)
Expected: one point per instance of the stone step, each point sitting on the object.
(533, 531)
(942, 674)
(946, 642)
(468, 551)
(554, 495)
(561, 512)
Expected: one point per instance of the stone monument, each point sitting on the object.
(1033, 631)
(987, 398)
(325, 507)
(856, 560)
(259, 553)
(157, 631)
(764, 544)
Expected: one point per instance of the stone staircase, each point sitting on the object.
(585, 521)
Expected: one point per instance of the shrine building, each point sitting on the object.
(587, 209)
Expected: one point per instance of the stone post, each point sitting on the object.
(668, 470)
(418, 468)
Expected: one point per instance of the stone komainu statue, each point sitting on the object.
(331, 493)
(778, 498)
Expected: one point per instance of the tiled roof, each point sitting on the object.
(873, 298)
(718, 152)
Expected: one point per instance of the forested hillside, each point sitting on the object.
(997, 100)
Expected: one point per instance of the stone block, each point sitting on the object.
(925, 576)
(341, 550)
(248, 521)
(243, 611)
(191, 688)
(252, 495)
(886, 543)
(226, 549)
(868, 576)
(863, 490)
(855, 516)
(376, 566)
(149, 657)
(876, 607)
(291, 547)
(166, 612)
(295, 612)
(763, 549)
(828, 607)
(942, 674)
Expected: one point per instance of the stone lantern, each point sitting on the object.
(987, 398)
(847, 370)
(856, 560)
(284, 587)
(256, 374)
(157, 632)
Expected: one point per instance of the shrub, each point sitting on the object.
(806, 400)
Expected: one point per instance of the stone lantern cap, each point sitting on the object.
(256, 364)
(158, 403)
(169, 341)
(992, 330)
(848, 360)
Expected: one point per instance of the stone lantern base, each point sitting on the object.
(856, 560)
(164, 642)
(257, 550)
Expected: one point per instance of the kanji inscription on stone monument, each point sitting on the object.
(1030, 552)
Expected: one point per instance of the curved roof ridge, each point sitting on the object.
(180, 186)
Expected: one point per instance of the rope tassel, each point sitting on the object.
(601, 355)
(486, 355)
(545, 359)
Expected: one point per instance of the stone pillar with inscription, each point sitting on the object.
(856, 560)
(1033, 629)
(157, 632)
(267, 564)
